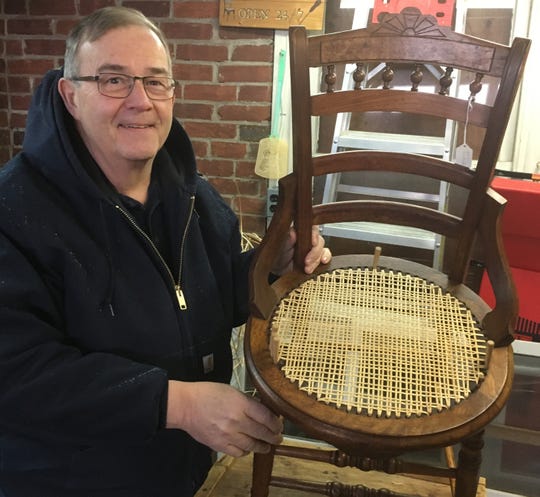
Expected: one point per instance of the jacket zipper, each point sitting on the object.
(177, 287)
(179, 293)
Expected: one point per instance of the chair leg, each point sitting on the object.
(262, 473)
(468, 470)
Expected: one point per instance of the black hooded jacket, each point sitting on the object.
(90, 324)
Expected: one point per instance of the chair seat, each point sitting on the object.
(378, 342)
(403, 351)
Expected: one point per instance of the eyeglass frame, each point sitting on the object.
(96, 79)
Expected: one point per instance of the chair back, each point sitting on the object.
(417, 41)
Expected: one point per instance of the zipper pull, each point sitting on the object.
(180, 296)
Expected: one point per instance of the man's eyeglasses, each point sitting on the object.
(121, 85)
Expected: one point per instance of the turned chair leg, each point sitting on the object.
(262, 473)
(468, 470)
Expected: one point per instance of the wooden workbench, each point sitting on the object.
(231, 477)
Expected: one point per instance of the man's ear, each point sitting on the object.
(66, 88)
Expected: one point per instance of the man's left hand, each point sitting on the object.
(319, 254)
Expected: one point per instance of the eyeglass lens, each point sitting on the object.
(121, 85)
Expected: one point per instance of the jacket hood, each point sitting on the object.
(51, 141)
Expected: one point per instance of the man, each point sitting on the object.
(121, 278)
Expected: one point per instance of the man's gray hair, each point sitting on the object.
(100, 22)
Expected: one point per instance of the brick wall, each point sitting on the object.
(225, 74)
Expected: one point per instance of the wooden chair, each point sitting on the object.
(380, 356)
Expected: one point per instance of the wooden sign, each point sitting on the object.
(273, 14)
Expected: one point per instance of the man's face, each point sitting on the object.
(121, 132)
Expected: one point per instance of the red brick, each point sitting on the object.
(5, 137)
(46, 7)
(64, 26)
(249, 187)
(253, 148)
(230, 150)
(252, 93)
(193, 72)
(233, 186)
(246, 169)
(193, 111)
(225, 186)
(45, 47)
(220, 93)
(245, 113)
(187, 31)
(29, 27)
(232, 33)
(14, 47)
(18, 119)
(216, 167)
(196, 10)
(19, 84)
(205, 129)
(202, 52)
(88, 6)
(247, 73)
(5, 153)
(253, 133)
(255, 53)
(30, 66)
(200, 148)
(150, 8)
(20, 102)
(179, 92)
(14, 7)
(4, 121)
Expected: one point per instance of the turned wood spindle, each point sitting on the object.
(330, 78)
(387, 76)
(476, 85)
(416, 77)
(446, 81)
(358, 75)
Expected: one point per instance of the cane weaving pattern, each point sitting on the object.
(378, 342)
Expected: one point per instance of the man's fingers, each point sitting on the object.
(262, 416)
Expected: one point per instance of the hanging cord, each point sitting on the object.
(470, 102)
(464, 153)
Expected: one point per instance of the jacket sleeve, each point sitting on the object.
(50, 390)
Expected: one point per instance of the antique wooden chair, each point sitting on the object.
(380, 356)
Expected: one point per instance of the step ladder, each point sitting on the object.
(346, 138)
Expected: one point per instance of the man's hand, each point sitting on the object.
(319, 254)
(222, 418)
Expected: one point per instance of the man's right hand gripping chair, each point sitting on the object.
(381, 356)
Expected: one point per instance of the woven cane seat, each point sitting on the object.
(378, 342)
